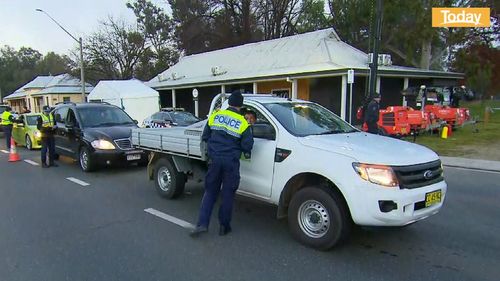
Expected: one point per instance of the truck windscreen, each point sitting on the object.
(304, 119)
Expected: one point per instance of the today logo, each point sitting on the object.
(460, 17)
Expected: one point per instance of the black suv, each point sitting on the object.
(95, 135)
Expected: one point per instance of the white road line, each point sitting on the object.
(472, 169)
(77, 181)
(4, 151)
(31, 162)
(169, 218)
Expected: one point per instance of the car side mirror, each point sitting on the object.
(264, 131)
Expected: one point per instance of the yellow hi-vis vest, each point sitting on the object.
(228, 121)
(47, 121)
(5, 118)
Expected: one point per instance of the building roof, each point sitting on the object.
(116, 89)
(315, 52)
(16, 95)
(60, 84)
(63, 84)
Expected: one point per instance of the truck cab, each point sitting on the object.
(322, 173)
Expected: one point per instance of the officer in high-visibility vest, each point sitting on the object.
(7, 121)
(47, 127)
(228, 135)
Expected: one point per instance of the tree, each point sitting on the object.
(158, 30)
(18, 67)
(54, 64)
(114, 51)
(312, 16)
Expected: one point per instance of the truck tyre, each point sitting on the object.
(169, 182)
(318, 218)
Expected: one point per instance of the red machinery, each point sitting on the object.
(392, 121)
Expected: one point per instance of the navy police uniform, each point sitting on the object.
(228, 135)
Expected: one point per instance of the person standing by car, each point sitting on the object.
(7, 121)
(46, 126)
(227, 134)
(372, 114)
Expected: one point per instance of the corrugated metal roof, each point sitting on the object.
(16, 95)
(64, 84)
(64, 90)
(311, 52)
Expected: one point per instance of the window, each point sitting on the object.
(103, 116)
(304, 119)
(282, 93)
(156, 116)
(60, 115)
(262, 128)
(66, 99)
(71, 120)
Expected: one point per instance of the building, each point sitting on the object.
(310, 66)
(47, 90)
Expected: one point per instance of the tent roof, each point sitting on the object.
(312, 52)
(121, 89)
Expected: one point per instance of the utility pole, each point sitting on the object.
(80, 42)
(377, 30)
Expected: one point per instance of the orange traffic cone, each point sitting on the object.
(13, 156)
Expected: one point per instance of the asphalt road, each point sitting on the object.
(55, 229)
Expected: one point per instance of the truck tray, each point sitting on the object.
(182, 141)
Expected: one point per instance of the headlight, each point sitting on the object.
(37, 134)
(377, 174)
(102, 144)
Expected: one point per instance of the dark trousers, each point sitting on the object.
(7, 133)
(48, 143)
(372, 128)
(225, 172)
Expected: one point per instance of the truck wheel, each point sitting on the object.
(318, 218)
(168, 181)
(85, 159)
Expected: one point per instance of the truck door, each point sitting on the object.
(257, 173)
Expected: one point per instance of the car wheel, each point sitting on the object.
(318, 217)
(169, 182)
(85, 159)
(29, 144)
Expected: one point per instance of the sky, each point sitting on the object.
(21, 25)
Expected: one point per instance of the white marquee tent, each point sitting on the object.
(137, 99)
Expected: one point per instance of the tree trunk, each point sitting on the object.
(425, 59)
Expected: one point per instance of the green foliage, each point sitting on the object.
(17, 67)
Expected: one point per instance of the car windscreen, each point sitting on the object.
(31, 120)
(304, 119)
(183, 118)
(103, 117)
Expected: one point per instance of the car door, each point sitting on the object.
(73, 132)
(18, 131)
(257, 172)
(60, 136)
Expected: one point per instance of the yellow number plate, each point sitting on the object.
(432, 198)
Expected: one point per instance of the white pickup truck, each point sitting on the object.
(322, 173)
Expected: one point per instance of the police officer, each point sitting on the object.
(7, 121)
(228, 135)
(372, 114)
(46, 126)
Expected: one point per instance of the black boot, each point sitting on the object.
(223, 230)
(198, 230)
